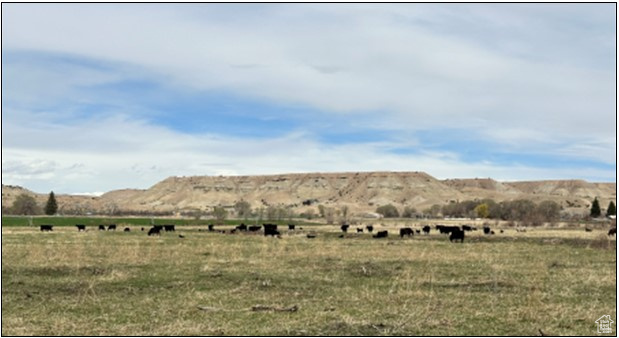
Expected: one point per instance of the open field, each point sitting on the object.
(113, 283)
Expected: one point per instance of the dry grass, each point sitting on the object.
(70, 283)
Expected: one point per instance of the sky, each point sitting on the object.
(98, 97)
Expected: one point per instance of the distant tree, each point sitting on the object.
(51, 207)
(548, 210)
(321, 210)
(242, 209)
(345, 214)
(271, 213)
(388, 211)
(329, 215)
(611, 210)
(409, 212)
(220, 214)
(25, 205)
(595, 208)
(482, 210)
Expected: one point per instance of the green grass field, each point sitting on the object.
(115, 283)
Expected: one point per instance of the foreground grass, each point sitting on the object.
(100, 283)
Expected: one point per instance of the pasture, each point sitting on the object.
(67, 282)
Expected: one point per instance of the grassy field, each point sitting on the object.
(104, 283)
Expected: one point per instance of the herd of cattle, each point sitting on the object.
(456, 233)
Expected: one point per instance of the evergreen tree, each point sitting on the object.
(51, 206)
(595, 208)
(611, 210)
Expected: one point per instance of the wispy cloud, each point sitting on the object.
(148, 91)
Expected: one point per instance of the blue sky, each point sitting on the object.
(97, 97)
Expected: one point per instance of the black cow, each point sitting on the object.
(242, 227)
(311, 235)
(487, 230)
(101, 227)
(291, 226)
(446, 229)
(612, 232)
(211, 227)
(142, 228)
(456, 235)
(417, 231)
(111, 227)
(168, 227)
(406, 232)
(127, 230)
(254, 228)
(47, 227)
(381, 234)
(467, 228)
(359, 229)
(270, 230)
(154, 231)
(344, 227)
(80, 227)
(370, 228)
(426, 229)
(588, 229)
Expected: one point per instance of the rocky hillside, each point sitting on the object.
(361, 192)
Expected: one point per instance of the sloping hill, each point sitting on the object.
(360, 191)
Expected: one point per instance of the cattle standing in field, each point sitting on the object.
(47, 227)
(111, 227)
(487, 230)
(168, 227)
(426, 229)
(211, 227)
(445, 229)
(359, 230)
(370, 228)
(80, 227)
(270, 230)
(154, 231)
(126, 230)
(344, 227)
(381, 234)
(142, 228)
(612, 232)
(254, 228)
(242, 227)
(467, 228)
(417, 231)
(456, 235)
(311, 235)
(406, 232)
(101, 227)
(291, 226)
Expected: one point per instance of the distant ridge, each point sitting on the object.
(360, 191)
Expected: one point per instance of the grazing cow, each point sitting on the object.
(80, 227)
(254, 228)
(127, 230)
(311, 235)
(487, 230)
(344, 227)
(417, 231)
(242, 227)
(47, 227)
(426, 229)
(154, 231)
(612, 232)
(211, 227)
(381, 234)
(101, 227)
(111, 227)
(359, 229)
(181, 236)
(456, 235)
(467, 228)
(406, 232)
(502, 231)
(168, 227)
(492, 232)
(270, 230)
(142, 228)
(588, 229)
(445, 229)
(370, 228)
(291, 226)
